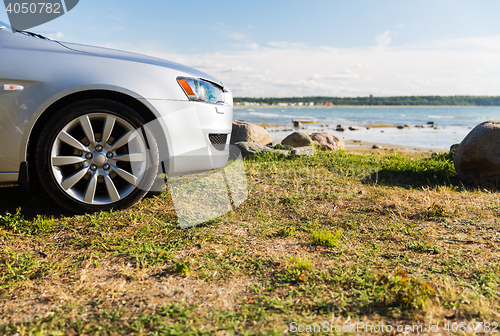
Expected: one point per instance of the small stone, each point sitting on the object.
(327, 141)
(250, 148)
(303, 151)
(377, 147)
(297, 139)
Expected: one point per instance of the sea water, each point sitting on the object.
(452, 124)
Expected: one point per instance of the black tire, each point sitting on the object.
(107, 183)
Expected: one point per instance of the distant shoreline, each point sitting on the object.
(473, 101)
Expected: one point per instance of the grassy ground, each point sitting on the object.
(338, 238)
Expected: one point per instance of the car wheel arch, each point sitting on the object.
(34, 135)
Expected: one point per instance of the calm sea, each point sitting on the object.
(365, 116)
(453, 122)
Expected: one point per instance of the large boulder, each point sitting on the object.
(327, 141)
(297, 139)
(251, 148)
(246, 132)
(477, 159)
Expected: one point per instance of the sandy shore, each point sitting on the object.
(357, 146)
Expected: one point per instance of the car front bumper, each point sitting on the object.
(192, 136)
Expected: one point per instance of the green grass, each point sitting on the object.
(404, 291)
(379, 238)
(182, 267)
(326, 237)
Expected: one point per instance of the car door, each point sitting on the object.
(25, 75)
(12, 123)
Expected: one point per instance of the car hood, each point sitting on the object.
(129, 56)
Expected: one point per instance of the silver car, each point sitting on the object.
(95, 126)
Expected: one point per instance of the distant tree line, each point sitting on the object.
(403, 100)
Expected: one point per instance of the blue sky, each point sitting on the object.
(297, 48)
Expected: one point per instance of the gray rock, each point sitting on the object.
(246, 132)
(327, 141)
(477, 159)
(297, 139)
(303, 151)
(377, 147)
(340, 129)
(251, 148)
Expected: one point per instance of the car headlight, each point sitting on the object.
(200, 90)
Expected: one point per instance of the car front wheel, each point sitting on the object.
(93, 155)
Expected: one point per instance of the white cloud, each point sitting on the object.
(448, 67)
(244, 41)
(485, 43)
(238, 36)
(240, 69)
(57, 35)
(284, 45)
(343, 74)
(360, 66)
(383, 40)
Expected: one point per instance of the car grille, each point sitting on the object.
(218, 141)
